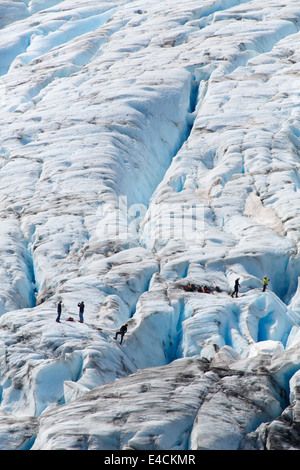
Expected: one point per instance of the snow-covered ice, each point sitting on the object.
(146, 146)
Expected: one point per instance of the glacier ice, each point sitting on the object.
(145, 147)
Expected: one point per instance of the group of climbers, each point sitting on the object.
(193, 288)
(81, 306)
(207, 290)
(188, 288)
(81, 311)
(237, 285)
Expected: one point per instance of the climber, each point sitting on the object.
(121, 332)
(81, 310)
(58, 311)
(189, 287)
(265, 283)
(236, 288)
(206, 290)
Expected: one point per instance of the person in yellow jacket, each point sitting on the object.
(265, 283)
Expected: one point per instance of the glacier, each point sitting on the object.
(147, 147)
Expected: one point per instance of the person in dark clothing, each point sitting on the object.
(236, 288)
(81, 310)
(58, 311)
(121, 332)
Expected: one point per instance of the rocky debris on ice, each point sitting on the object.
(218, 406)
(17, 432)
(283, 433)
(214, 409)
